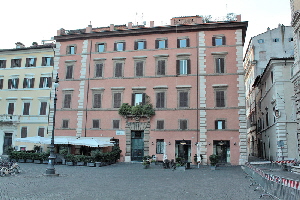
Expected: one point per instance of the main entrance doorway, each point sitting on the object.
(7, 142)
(222, 149)
(183, 150)
(137, 145)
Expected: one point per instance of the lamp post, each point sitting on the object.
(50, 168)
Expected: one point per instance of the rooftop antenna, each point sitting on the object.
(90, 22)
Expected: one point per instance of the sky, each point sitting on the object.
(34, 20)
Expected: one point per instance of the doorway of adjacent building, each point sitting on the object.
(183, 149)
(7, 142)
(137, 145)
(222, 149)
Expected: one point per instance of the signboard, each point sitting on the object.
(120, 132)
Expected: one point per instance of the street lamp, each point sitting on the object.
(50, 168)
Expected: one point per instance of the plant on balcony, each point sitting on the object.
(146, 110)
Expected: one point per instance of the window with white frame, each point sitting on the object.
(99, 69)
(161, 43)
(116, 124)
(28, 82)
(96, 123)
(100, 47)
(139, 67)
(16, 62)
(140, 44)
(67, 100)
(220, 124)
(69, 72)
(160, 146)
(2, 63)
(1, 83)
(183, 124)
(30, 62)
(118, 69)
(119, 46)
(24, 132)
(41, 131)
(11, 108)
(220, 95)
(160, 124)
(26, 107)
(71, 49)
(65, 123)
(183, 64)
(161, 66)
(47, 61)
(183, 42)
(138, 99)
(43, 108)
(45, 82)
(13, 83)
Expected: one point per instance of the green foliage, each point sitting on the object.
(180, 161)
(214, 159)
(80, 158)
(70, 158)
(138, 110)
(63, 151)
(37, 148)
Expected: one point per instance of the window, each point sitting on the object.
(220, 98)
(183, 67)
(13, 83)
(117, 99)
(220, 124)
(45, 82)
(41, 131)
(119, 46)
(138, 99)
(65, 123)
(71, 49)
(69, 72)
(47, 61)
(28, 83)
(161, 44)
(139, 68)
(220, 65)
(24, 132)
(67, 100)
(16, 62)
(218, 40)
(11, 108)
(116, 124)
(160, 100)
(276, 40)
(96, 123)
(183, 124)
(267, 119)
(161, 67)
(183, 99)
(26, 107)
(1, 84)
(160, 124)
(182, 43)
(118, 69)
(97, 100)
(2, 63)
(100, 47)
(98, 70)
(139, 45)
(260, 41)
(43, 108)
(160, 146)
(30, 62)
(291, 39)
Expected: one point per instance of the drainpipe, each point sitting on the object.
(88, 88)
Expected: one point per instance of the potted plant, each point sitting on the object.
(13, 156)
(98, 157)
(90, 161)
(45, 157)
(69, 159)
(80, 159)
(63, 153)
(146, 162)
(29, 157)
(37, 158)
(180, 164)
(214, 159)
(21, 156)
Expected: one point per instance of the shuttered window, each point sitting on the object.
(220, 124)
(218, 40)
(161, 43)
(24, 132)
(160, 100)
(139, 68)
(119, 70)
(69, 72)
(41, 131)
(26, 108)
(219, 65)
(67, 101)
(96, 123)
(1, 84)
(183, 99)
(30, 62)
(43, 108)
(116, 124)
(13, 83)
(97, 101)
(11, 108)
(117, 100)
(16, 62)
(138, 99)
(183, 67)
(183, 124)
(182, 43)
(65, 123)
(138, 45)
(160, 124)
(119, 46)
(161, 67)
(45, 82)
(99, 70)
(47, 61)
(220, 98)
(2, 63)
(28, 82)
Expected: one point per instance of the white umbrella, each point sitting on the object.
(91, 142)
(35, 139)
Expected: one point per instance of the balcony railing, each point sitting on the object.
(9, 119)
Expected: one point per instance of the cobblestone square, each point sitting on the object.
(127, 181)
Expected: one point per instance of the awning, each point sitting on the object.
(84, 141)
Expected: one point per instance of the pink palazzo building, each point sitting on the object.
(191, 72)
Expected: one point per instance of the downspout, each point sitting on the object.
(88, 88)
(197, 39)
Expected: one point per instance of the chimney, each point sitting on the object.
(151, 24)
(88, 29)
(112, 27)
(172, 22)
(199, 20)
(129, 25)
(239, 18)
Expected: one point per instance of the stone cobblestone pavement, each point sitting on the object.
(127, 181)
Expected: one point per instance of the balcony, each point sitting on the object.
(9, 119)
